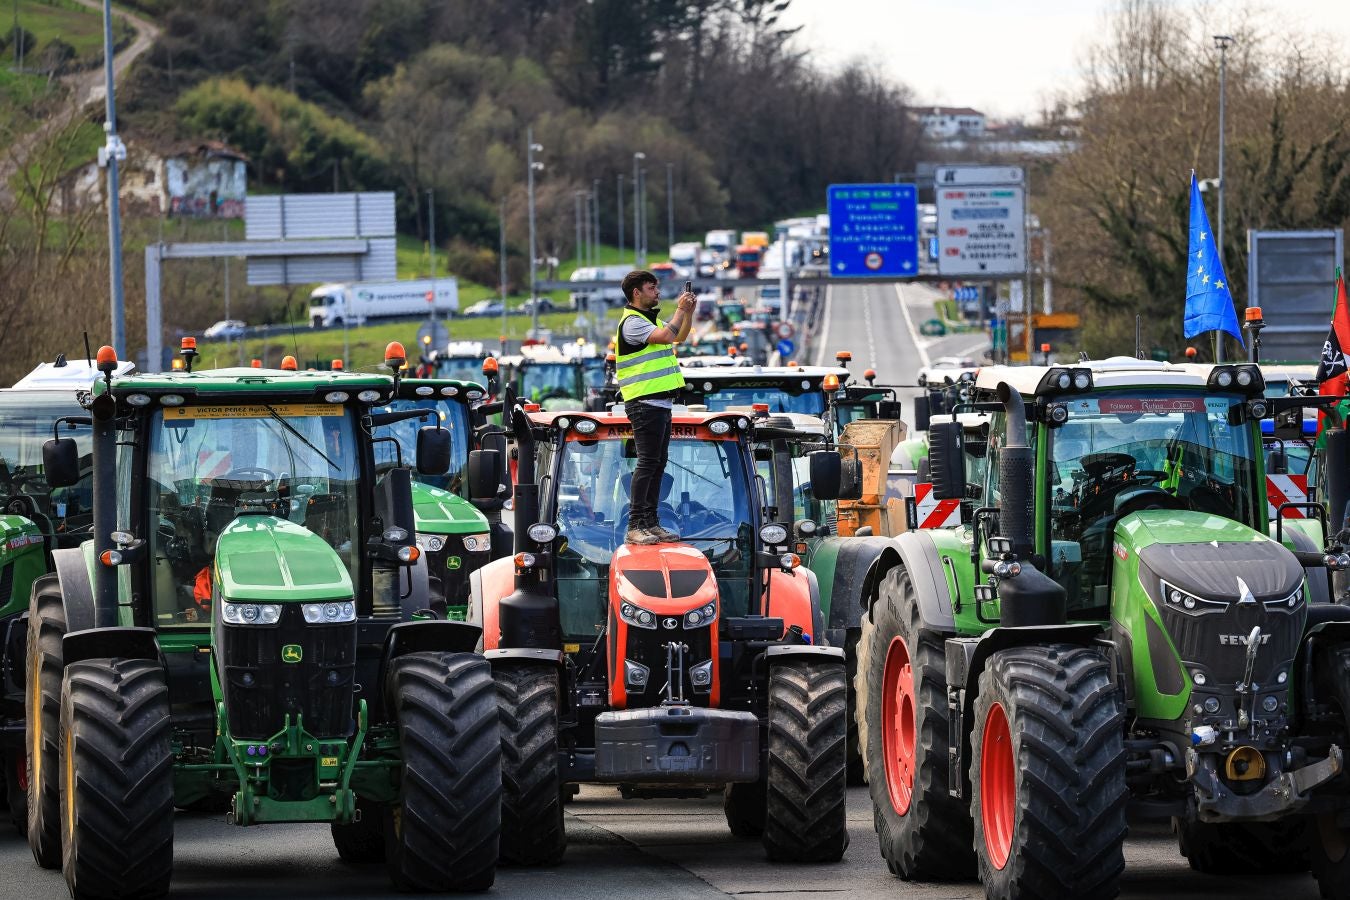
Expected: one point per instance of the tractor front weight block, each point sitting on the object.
(684, 745)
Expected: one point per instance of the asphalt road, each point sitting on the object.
(653, 849)
(879, 325)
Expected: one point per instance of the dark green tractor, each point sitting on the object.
(247, 629)
(1111, 627)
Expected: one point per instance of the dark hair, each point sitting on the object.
(634, 280)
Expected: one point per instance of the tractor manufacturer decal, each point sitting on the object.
(23, 540)
(452, 562)
(1121, 552)
(292, 653)
(328, 762)
(1282, 489)
(670, 624)
(294, 410)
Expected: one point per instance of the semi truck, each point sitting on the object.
(353, 304)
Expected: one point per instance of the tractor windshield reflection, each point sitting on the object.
(208, 465)
(541, 381)
(453, 418)
(810, 403)
(705, 496)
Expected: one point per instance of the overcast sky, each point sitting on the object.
(999, 56)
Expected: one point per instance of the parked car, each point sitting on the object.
(484, 308)
(225, 328)
(946, 368)
(545, 305)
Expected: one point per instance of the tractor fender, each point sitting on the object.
(794, 597)
(72, 569)
(966, 658)
(782, 652)
(119, 642)
(916, 551)
(488, 585)
(525, 655)
(858, 569)
(426, 635)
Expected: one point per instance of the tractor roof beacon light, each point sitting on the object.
(830, 383)
(257, 364)
(1253, 325)
(843, 357)
(288, 364)
(188, 352)
(870, 375)
(336, 365)
(1190, 353)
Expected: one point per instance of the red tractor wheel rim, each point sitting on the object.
(998, 786)
(898, 724)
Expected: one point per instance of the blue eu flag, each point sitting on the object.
(1209, 305)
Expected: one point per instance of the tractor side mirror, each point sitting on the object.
(484, 474)
(889, 409)
(945, 466)
(850, 479)
(921, 413)
(826, 474)
(61, 462)
(433, 450)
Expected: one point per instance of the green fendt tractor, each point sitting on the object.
(246, 626)
(452, 531)
(1111, 627)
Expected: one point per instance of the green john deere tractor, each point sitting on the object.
(457, 535)
(1110, 627)
(247, 627)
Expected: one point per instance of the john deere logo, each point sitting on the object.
(452, 562)
(292, 653)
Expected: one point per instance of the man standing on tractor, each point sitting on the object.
(649, 377)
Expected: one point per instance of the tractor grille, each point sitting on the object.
(450, 579)
(260, 687)
(644, 647)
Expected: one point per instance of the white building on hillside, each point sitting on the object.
(950, 121)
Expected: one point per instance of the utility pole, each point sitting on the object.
(530, 149)
(670, 205)
(576, 202)
(637, 210)
(1221, 42)
(595, 212)
(620, 216)
(110, 154)
(642, 204)
(501, 259)
(431, 249)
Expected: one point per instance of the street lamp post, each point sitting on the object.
(531, 167)
(1221, 42)
(576, 203)
(431, 253)
(595, 213)
(619, 219)
(670, 204)
(110, 154)
(637, 210)
(501, 260)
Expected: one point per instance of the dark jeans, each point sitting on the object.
(651, 438)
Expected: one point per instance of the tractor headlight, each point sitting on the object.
(337, 396)
(1184, 600)
(368, 396)
(773, 534)
(449, 391)
(585, 426)
(430, 543)
(700, 676)
(251, 613)
(697, 618)
(719, 427)
(332, 613)
(474, 395)
(542, 533)
(1291, 600)
(637, 616)
(395, 535)
(476, 543)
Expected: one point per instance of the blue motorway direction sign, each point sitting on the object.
(874, 230)
(785, 347)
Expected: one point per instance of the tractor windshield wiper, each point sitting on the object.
(304, 440)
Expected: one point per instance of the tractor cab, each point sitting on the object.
(661, 655)
(453, 532)
(549, 377)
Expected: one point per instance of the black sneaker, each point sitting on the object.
(665, 535)
(641, 536)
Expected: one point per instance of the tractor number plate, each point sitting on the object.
(292, 653)
(292, 410)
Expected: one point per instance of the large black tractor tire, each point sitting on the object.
(16, 789)
(528, 699)
(441, 834)
(856, 772)
(807, 779)
(925, 833)
(1047, 773)
(1329, 852)
(42, 710)
(117, 780)
(362, 842)
(745, 805)
(1244, 848)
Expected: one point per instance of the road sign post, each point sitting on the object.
(874, 230)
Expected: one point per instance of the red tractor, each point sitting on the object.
(666, 670)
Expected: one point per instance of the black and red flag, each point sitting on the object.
(1332, 379)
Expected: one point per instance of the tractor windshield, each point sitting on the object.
(26, 421)
(453, 417)
(1121, 454)
(705, 496)
(541, 381)
(811, 403)
(460, 368)
(210, 464)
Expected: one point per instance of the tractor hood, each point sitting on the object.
(1209, 556)
(16, 535)
(438, 511)
(665, 579)
(266, 558)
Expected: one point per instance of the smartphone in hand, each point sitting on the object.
(688, 287)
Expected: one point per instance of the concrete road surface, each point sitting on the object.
(879, 324)
(649, 849)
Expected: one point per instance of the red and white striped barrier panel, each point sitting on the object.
(1286, 489)
(932, 512)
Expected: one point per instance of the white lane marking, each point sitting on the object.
(913, 334)
(824, 343)
(867, 324)
(982, 345)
